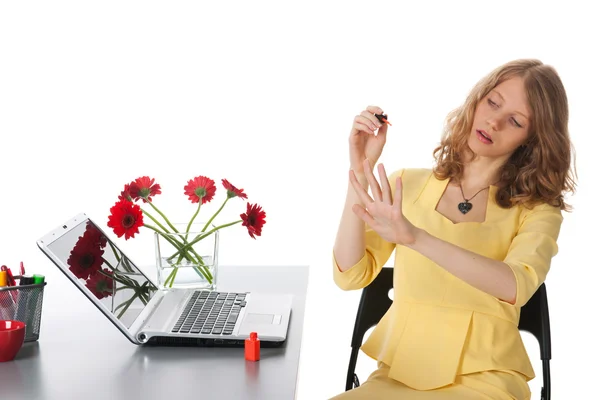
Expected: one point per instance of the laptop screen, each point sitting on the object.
(102, 270)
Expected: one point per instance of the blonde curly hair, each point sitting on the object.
(540, 170)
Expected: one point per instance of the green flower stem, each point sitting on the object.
(203, 229)
(113, 277)
(187, 229)
(155, 220)
(107, 263)
(172, 276)
(173, 242)
(176, 244)
(131, 282)
(126, 264)
(193, 218)
(151, 286)
(137, 293)
(183, 251)
(206, 274)
(187, 246)
(127, 283)
(144, 295)
(199, 270)
(163, 215)
(116, 254)
(143, 298)
(128, 303)
(126, 286)
(215, 214)
(122, 305)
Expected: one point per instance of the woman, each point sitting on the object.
(474, 238)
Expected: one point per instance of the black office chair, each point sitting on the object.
(374, 302)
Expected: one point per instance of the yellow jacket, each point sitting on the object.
(439, 326)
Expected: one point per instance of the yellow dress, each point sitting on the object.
(441, 332)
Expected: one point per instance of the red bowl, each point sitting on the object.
(12, 336)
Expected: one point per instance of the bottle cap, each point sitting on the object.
(252, 347)
(38, 279)
(3, 279)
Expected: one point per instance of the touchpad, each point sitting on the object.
(259, 318)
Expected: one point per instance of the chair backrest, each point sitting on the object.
(535, 319)
(375, 301)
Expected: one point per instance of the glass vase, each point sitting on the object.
(187, 258)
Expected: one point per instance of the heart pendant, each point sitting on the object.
(464, 207)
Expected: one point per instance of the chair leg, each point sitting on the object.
(350, 377)
(546, 380)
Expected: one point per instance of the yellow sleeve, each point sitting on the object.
(532, 249)
(377, 253)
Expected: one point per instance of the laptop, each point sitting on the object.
(147, 315)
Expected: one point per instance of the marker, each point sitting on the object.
(23, 301)
(7, 304)
(10, 281)
(3, 279)
(383, 119)
(37, 279)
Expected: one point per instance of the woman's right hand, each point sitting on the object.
(364, 143)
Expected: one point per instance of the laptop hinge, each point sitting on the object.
(141, 319)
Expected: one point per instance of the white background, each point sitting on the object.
(95, 94)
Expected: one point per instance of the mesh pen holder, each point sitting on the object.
(23, 303)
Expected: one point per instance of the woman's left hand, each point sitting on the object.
(383, 213)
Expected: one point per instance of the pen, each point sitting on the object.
(24, 299)
(383, 118)
(11, 278)
(7, 305)
(22, 269)
(10, 281)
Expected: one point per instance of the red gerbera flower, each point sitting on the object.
(125, 218)
(200, 188)
(144, 188)
(232, 191)
(126, 193)
(94, 235)
(253, 219)
(86, 257)
(101, 286)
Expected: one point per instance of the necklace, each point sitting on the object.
(464, 206)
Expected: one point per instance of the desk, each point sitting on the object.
(81, 355)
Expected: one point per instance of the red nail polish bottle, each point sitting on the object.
(252, 347)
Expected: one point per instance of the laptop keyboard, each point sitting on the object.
(210, 313)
